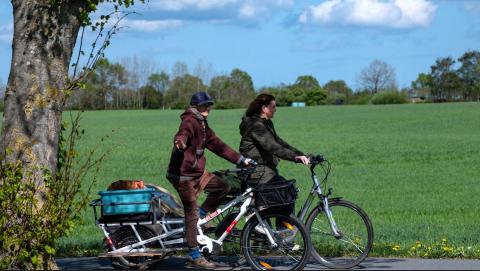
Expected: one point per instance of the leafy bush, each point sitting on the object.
(226, 105)
(336, 99)
(179, 105)
(360, 99)
(35, 216)
(389, 97)
(315, 97)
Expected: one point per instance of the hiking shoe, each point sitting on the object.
(200, 262)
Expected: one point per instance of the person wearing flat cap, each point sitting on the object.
(187, 173)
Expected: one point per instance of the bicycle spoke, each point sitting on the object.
(323, 232)
(349, 241)
(292, 251)
(288, 255)
(349, 250)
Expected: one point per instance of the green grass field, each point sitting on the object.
(413, 168)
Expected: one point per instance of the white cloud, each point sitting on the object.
(388, 13)
(259, 10)
(151, 25)
(177, 5)
(243, 9)
(164, 14)
(6, 33)
(248, 11)
(415, 13)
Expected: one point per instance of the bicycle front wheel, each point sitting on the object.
(355, 239)
(293, 243)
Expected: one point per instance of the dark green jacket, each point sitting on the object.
(261, 143)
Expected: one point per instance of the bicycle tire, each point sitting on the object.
(356, 230)
(293, 240)
(124, 236)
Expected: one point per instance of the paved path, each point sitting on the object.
(177, 263)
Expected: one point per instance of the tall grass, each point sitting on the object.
(413, 168)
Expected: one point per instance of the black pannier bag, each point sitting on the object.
(275, 194)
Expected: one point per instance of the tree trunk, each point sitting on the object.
(43, 41)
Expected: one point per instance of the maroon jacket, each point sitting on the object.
(189, 163)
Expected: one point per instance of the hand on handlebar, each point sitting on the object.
(316, 159)
(303, 159)
(249, 162)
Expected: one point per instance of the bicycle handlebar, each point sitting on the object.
(246, 169)
(253, 163)
(317, 159)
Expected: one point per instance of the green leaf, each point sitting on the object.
(50, 250)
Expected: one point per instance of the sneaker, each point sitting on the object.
(200, 262)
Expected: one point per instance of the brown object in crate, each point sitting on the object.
(126, 185)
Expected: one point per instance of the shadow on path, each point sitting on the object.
(225, 263)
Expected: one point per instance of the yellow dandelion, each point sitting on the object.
(396, 247)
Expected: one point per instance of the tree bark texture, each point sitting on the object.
(43, 41)
(44, 37)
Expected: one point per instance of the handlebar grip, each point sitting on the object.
(317, 159)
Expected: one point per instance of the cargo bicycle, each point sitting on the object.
(137, 233)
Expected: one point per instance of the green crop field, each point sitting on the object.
(413, 168)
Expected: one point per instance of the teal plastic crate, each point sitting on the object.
(110, 199)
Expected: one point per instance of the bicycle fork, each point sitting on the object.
(326, 206)
(267, 229)
(331, 221)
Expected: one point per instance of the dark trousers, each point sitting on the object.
(189, 190)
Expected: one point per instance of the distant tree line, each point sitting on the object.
(118, 86)
(133, 84)
(450, 80)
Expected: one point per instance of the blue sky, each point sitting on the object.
(277, 40)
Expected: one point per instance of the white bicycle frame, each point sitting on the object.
(139, 248)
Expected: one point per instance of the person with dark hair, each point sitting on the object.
(261, 142)
(187, 173)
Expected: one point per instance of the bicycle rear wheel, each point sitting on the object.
(124, 236)
(294, 246)
(355, 240)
